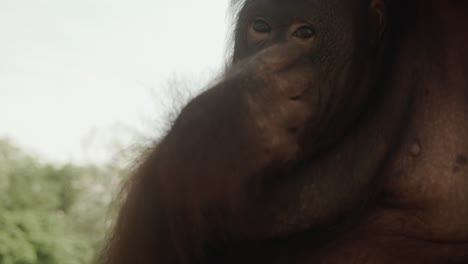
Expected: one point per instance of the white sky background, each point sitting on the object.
(69, 68)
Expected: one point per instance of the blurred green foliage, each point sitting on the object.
(52, 214)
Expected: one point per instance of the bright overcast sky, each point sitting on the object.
(71, 67)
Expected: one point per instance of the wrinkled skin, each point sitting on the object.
(349, 145)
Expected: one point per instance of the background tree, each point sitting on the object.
(52, 214)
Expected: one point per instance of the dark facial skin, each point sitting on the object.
(338, 84)
(291, 155)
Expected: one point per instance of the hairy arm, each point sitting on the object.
(197, 188)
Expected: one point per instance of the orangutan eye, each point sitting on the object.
(261, 26)
(304, 32)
